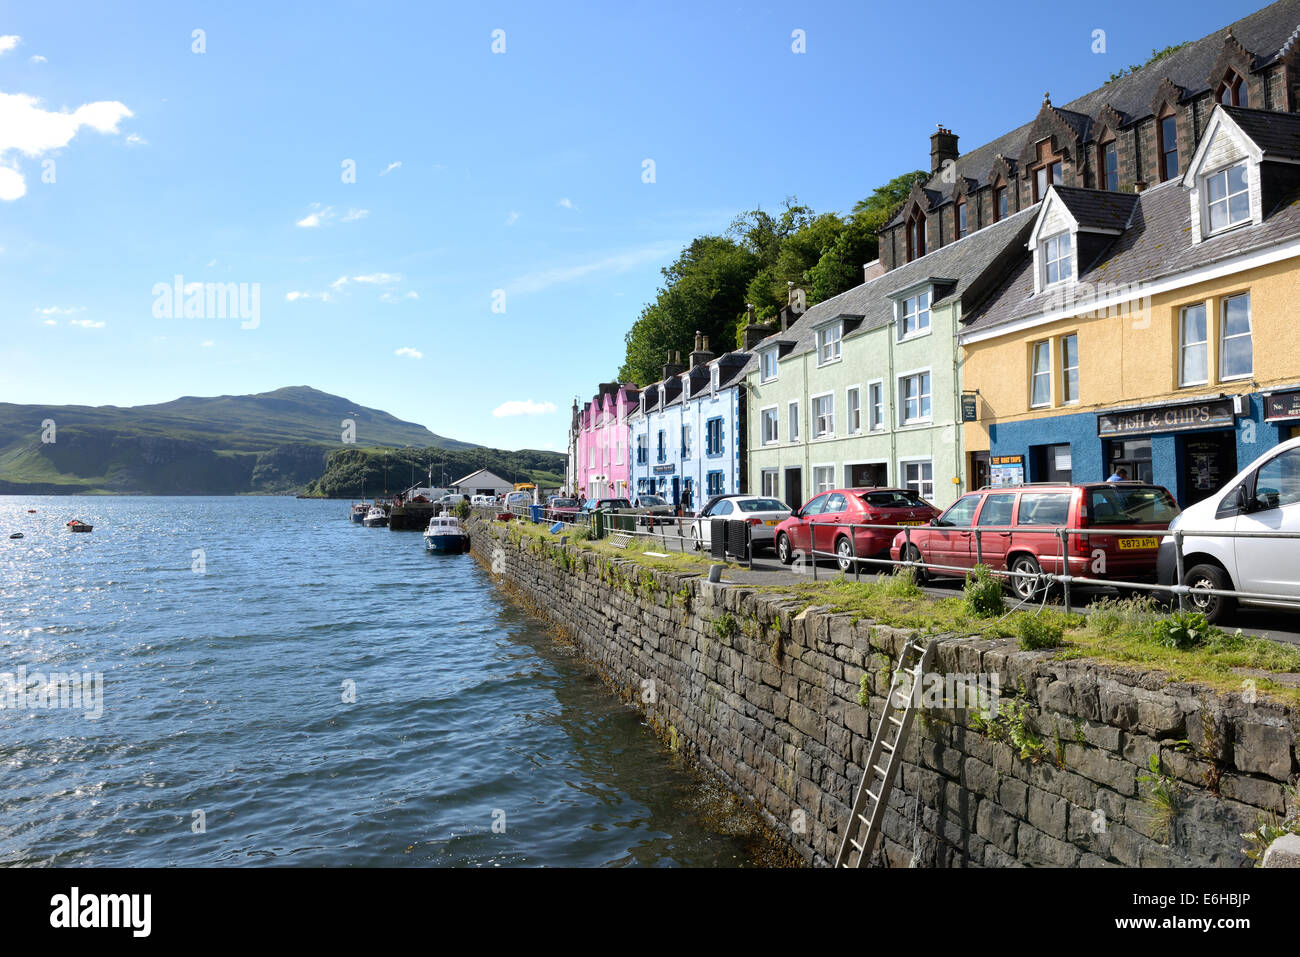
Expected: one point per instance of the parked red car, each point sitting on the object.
(822, 523)
(1017, 532)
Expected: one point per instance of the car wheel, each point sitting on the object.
(1213, 607)
(913, 554)
(1027, 588)
(695, 537)
(783, 553)
(844, 553)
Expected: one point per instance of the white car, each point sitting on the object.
(1264, 496)
(762, 512)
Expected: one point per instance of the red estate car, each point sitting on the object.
(1017, 532)
(822, 523)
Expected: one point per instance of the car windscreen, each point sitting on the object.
(762, 505)
(1130, 505)
(652, 500)
(892, 499)
(564, 503)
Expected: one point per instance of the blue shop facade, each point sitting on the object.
(1192, 447)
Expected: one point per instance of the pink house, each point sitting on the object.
(602, 466)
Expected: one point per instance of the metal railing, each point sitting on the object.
(667, 529)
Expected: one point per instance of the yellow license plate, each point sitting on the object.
(771, 521)
(911, 523)
(1134, 544)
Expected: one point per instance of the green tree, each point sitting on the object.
(703, 291)
(840, 266)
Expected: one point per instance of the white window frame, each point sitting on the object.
(763, 358)
(853, 409)
(813, 416)
(1183, 345)
(876, 423)
(775, 476)
(1046, 247)
(903, 420)
(776, 425)
(817, 467)
(1224, 337)
(903, 481)
(1066, 369)
(1035, 374)
(921, 330)
(1227, 198)
(792, 427)
(825, 340)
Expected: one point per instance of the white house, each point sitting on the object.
(482, 482)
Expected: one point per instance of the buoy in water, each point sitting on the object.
(16, 535)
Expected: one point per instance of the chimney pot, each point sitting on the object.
(943, 147)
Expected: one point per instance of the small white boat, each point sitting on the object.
(444, 534)
(376, 517)
(358, 512)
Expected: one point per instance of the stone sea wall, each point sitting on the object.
(765, 696)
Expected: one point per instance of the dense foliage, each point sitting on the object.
(708, 287)
(353, 472)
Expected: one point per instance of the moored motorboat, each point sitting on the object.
(358, 512)
(444, 534)
(376, 517)
(77, 525)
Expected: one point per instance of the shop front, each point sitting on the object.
(1282, 410)
(1191, 447)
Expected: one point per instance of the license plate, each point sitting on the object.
(911, 523)
(1134, 544)
(771, 521)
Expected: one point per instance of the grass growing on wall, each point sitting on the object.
(693, 562)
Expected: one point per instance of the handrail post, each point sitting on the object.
(979, 547)
(907, 549)
(1178, 565)
(1065, 566)
(853, 545)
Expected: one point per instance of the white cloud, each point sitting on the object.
(59, 310)
(135, 139)
(211, 263)
(524, 407)
(207, 343)
(295, 295)
(545, 278)
(512, 218)
(566, 203)
(393, 297)
(7, 43)
(86, 323)
(37, 59)
(317, 217)
(379, 278)
(409, 353)
(354, 214)
(51, 322)
(32, 131)
(391, 167)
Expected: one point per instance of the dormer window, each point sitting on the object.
(959, 218)
(916, 235)
(1227, 198)
(1233, 90)
(768, 364)
(713, 379)
(1058, 264)
(1168, 125)
(1000, 203)
(1108, 165)
(915, 315)
(828, 343)
(1048, 170)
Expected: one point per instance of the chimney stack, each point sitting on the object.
(943, 146)
(674, 365)
(872, 269)
(754, 334)
(701, 355)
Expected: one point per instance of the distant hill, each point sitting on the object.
(271, 442)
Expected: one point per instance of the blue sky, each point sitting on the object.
(475, 171)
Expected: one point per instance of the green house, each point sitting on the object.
(864, 389)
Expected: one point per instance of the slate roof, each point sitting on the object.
(1097, 209)
(1277, 134)
(1266, 33)
(1157, 245)
(957, 267)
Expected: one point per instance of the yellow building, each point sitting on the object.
(1150, 332)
